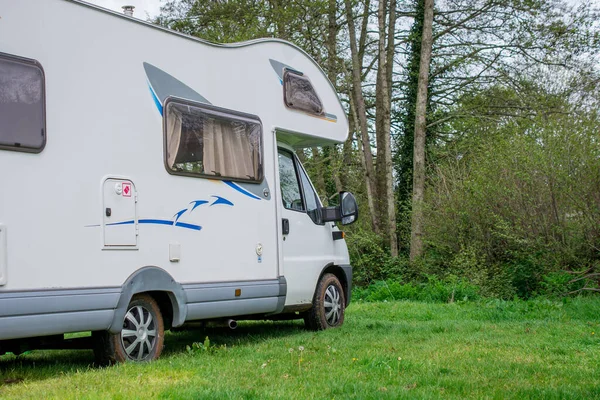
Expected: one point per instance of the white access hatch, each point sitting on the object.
(119, 212)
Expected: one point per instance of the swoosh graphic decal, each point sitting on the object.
(197, 203)
(241, 190)
(220, 200)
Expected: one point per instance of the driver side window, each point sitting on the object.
(297, 192)
(288, 179)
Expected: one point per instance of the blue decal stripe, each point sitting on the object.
(156, 100)
(156, 221)
(188, 226)
(159, 222)
(241, 190)
(121, 223)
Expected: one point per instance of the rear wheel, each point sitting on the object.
(329, 305)
(141, 337)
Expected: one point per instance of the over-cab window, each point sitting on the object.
(299, 93)
(22, 104)
(203, 140)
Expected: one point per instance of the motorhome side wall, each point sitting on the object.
(102, 121)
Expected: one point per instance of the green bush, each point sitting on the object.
(510, 205)
(371, 260)
(433, 290)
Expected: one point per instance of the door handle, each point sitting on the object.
(285, 226)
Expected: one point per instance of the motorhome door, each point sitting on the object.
(306, 241)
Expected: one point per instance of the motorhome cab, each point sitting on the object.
(149, 179)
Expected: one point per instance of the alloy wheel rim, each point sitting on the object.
(138, 335)
(333, 305)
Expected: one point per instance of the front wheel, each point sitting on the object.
(140, 339)
(329, 305)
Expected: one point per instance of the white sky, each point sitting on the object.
(144, 9)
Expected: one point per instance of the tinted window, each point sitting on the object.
(216, 143)
(300, 94)
(313, 205)
(22, 118)
(288, 180)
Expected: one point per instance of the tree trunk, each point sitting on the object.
(363, 161)
(391, 200)
(387, 206)
(416, 234)
(318, 161)
(361, 115)
(332, 31)
(381, 115)
(405, 143)
(280, 24)
(332, 72)
(346, 161)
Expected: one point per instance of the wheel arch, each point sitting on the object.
(344, 275)
(163, 288)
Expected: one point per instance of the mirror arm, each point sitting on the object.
(331, 214)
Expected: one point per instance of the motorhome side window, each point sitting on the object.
(22, 114)
(299, 93)
(203, 141)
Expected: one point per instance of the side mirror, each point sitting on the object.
(349, 208)
(346, 212)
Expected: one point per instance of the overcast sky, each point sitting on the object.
(143, 8)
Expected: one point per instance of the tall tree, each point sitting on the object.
(405, 139)
(386, 52)
(359, 109)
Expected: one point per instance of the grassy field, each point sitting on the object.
(487, 349)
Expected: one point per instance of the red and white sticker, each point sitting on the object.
(126, 189)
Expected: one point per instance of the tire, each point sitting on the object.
(141, 338)
(329, 305)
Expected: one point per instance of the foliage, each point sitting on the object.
(303, 22)
(432, 290)
(371, 261)
(517, 199)
(203, 347)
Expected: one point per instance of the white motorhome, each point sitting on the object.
(149, 179)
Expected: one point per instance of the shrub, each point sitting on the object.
(371, 260)
(514, 203)
(432, 290)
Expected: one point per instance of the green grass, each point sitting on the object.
(486, 349)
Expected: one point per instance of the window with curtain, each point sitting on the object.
(204, 141)
(22, 104)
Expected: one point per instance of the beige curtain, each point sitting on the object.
(230, 149)
(174, 126)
